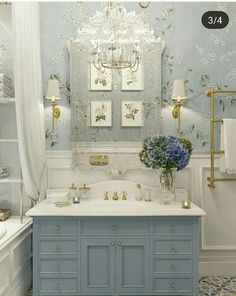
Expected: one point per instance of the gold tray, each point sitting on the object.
(4, 214)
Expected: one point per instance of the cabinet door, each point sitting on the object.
(133, 265)
(98, 265)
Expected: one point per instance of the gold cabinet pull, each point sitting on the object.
(172, 266)
(172, 285)
(113, 243)
(119, 243)
(58, 285)
(173, 247)
(58, 267)
(114, 227)
(172, 227)
(58, 247)
(58, 227)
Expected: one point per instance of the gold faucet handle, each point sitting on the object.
(124, 195)
(115, 196)
(106, 197)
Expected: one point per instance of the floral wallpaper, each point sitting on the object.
(203, 57)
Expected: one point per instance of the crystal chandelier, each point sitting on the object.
(116, 38)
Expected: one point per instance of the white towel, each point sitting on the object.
(4, 175)
(3, 170)
(6, 86)
(7, 91)
(5, 95)
(228, 144)
(6, 83)
(3, 76)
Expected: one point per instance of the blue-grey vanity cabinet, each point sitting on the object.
(115, 256)
(98, 265)
(56, 265)
(133, 265)
(115, 264)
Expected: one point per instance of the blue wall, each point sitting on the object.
(204, 57)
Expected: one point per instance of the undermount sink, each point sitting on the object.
(115, 204)
(3, 230)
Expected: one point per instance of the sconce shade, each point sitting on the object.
(53, 92)
(178, 92)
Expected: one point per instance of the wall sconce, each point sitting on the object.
(53, 94)
(178, 95)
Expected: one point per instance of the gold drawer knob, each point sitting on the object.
(58, 267)
(172, 227)
(119, 243)
(113, 243)
(172, 285)
(58, 285)
(173, 247)
(114, 227)
(58, 227)
(58, 247)
(172, 266)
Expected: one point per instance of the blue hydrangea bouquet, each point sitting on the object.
(166, 152)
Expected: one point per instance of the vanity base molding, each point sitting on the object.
(115, 256)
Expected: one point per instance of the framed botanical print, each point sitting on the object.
(132, 81)
(132, 113)
(101, 113)
(100, 80)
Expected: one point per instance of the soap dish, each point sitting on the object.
(62, 204)
(4, 214)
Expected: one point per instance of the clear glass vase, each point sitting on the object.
(166, 179)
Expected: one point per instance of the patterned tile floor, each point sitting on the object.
(217, 286)
(211, 286)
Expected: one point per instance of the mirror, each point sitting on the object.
(111, 101)
(120, 113)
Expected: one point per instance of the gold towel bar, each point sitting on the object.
(211, 93)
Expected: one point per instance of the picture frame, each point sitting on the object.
(100, 113)
(100, 80)
(132, 80)
(132, 114)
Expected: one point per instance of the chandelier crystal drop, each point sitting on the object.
(116, 38)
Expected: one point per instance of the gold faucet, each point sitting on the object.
(124, 195)
(115, 196)
(106, 197)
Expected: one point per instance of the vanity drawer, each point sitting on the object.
(178, 266)
(107, 227)
(58, 285)
(172, 286)
(176, 226)
(58, 247)
(172, 247)
(58, 266)
(58, 227)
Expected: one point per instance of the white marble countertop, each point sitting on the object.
(129, 208)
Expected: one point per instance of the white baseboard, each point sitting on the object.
(217, 268)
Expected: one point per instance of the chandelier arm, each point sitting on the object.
(117, 34)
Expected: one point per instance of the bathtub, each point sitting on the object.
(11, 228)
(15, 256)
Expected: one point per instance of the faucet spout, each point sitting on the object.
(115, 196)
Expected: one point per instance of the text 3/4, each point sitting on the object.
(215, 19)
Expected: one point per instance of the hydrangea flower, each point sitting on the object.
(165, 152)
